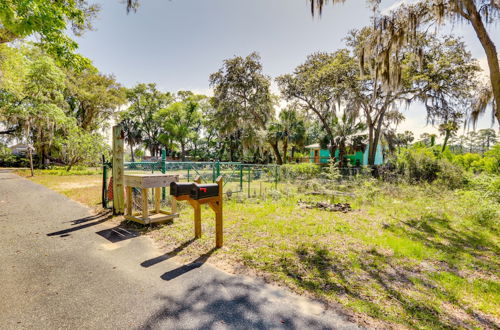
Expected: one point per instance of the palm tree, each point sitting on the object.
(293, 131)
(132, 132)
(345, 128)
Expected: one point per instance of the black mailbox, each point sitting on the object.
(180, 189)
(200, 191)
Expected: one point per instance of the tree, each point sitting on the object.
(48, 21)
(81, 146)
(346, 128)
(448, 129)
(487, 138)
(132, 131)
(442, 79)
(404, 139)
(145, 101)
(321, 86)
(182, 120)
(399, 28)
(37, 107)
(93, 97)
(293, 130)
(242, 98)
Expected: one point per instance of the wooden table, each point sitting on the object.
(144, 182)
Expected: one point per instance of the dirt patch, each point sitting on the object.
(77, 185)
(337, 207)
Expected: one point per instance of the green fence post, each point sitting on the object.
(241, 177)
(188, 171)
(214, 166)
(217, 170)
(163, 170)
(249, 180)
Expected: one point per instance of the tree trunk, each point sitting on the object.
(446, 138)
(132, 151)
(491, 53)
(285, 147)
(183, 151)
(341, 155)
(276, 151)
(71, 163)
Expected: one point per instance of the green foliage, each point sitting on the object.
(302, 171)
(489, 163)
(420, 164)
(8, 159)
(49, 20)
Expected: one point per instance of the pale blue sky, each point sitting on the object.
(178, 43)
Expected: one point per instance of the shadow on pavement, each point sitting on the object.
(166, 256)
(170, 275)
(99, 218)
(228, 304)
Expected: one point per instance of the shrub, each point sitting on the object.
(418, 164)
(427, 165)
(302, 171)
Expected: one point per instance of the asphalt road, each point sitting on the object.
(62, 268)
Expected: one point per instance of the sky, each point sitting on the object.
(177, 44)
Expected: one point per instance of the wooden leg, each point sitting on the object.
(129, 200)
(174, 205)
(197, 221)
(144, 195)
(157, 199)
(219, 240)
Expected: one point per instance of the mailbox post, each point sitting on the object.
(198, 194)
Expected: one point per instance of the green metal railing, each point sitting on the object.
(238, 177)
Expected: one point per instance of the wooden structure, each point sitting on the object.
(215, 203)
(118, 170)
(145, 182)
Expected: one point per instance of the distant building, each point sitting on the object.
(322, 156)
(19, 149)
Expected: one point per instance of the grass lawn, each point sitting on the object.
(406, 256)
(81, 186)
(414, 256)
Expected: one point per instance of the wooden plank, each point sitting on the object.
(118, 171)
(157, 199)
(132, 218)
(150, 180)
(130, 198)
(144, 197)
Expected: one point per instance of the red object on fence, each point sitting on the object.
(203, 189)
(110, 189)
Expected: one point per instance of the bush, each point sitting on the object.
(7, 159)
(303, 171)
(427, 165)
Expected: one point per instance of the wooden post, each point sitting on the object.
(144, 196)
(118, 193)
(197, 213)
(129, 201)
(174, 205)
(157, 199)
(219, 240)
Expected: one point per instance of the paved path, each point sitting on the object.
(62, 268)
